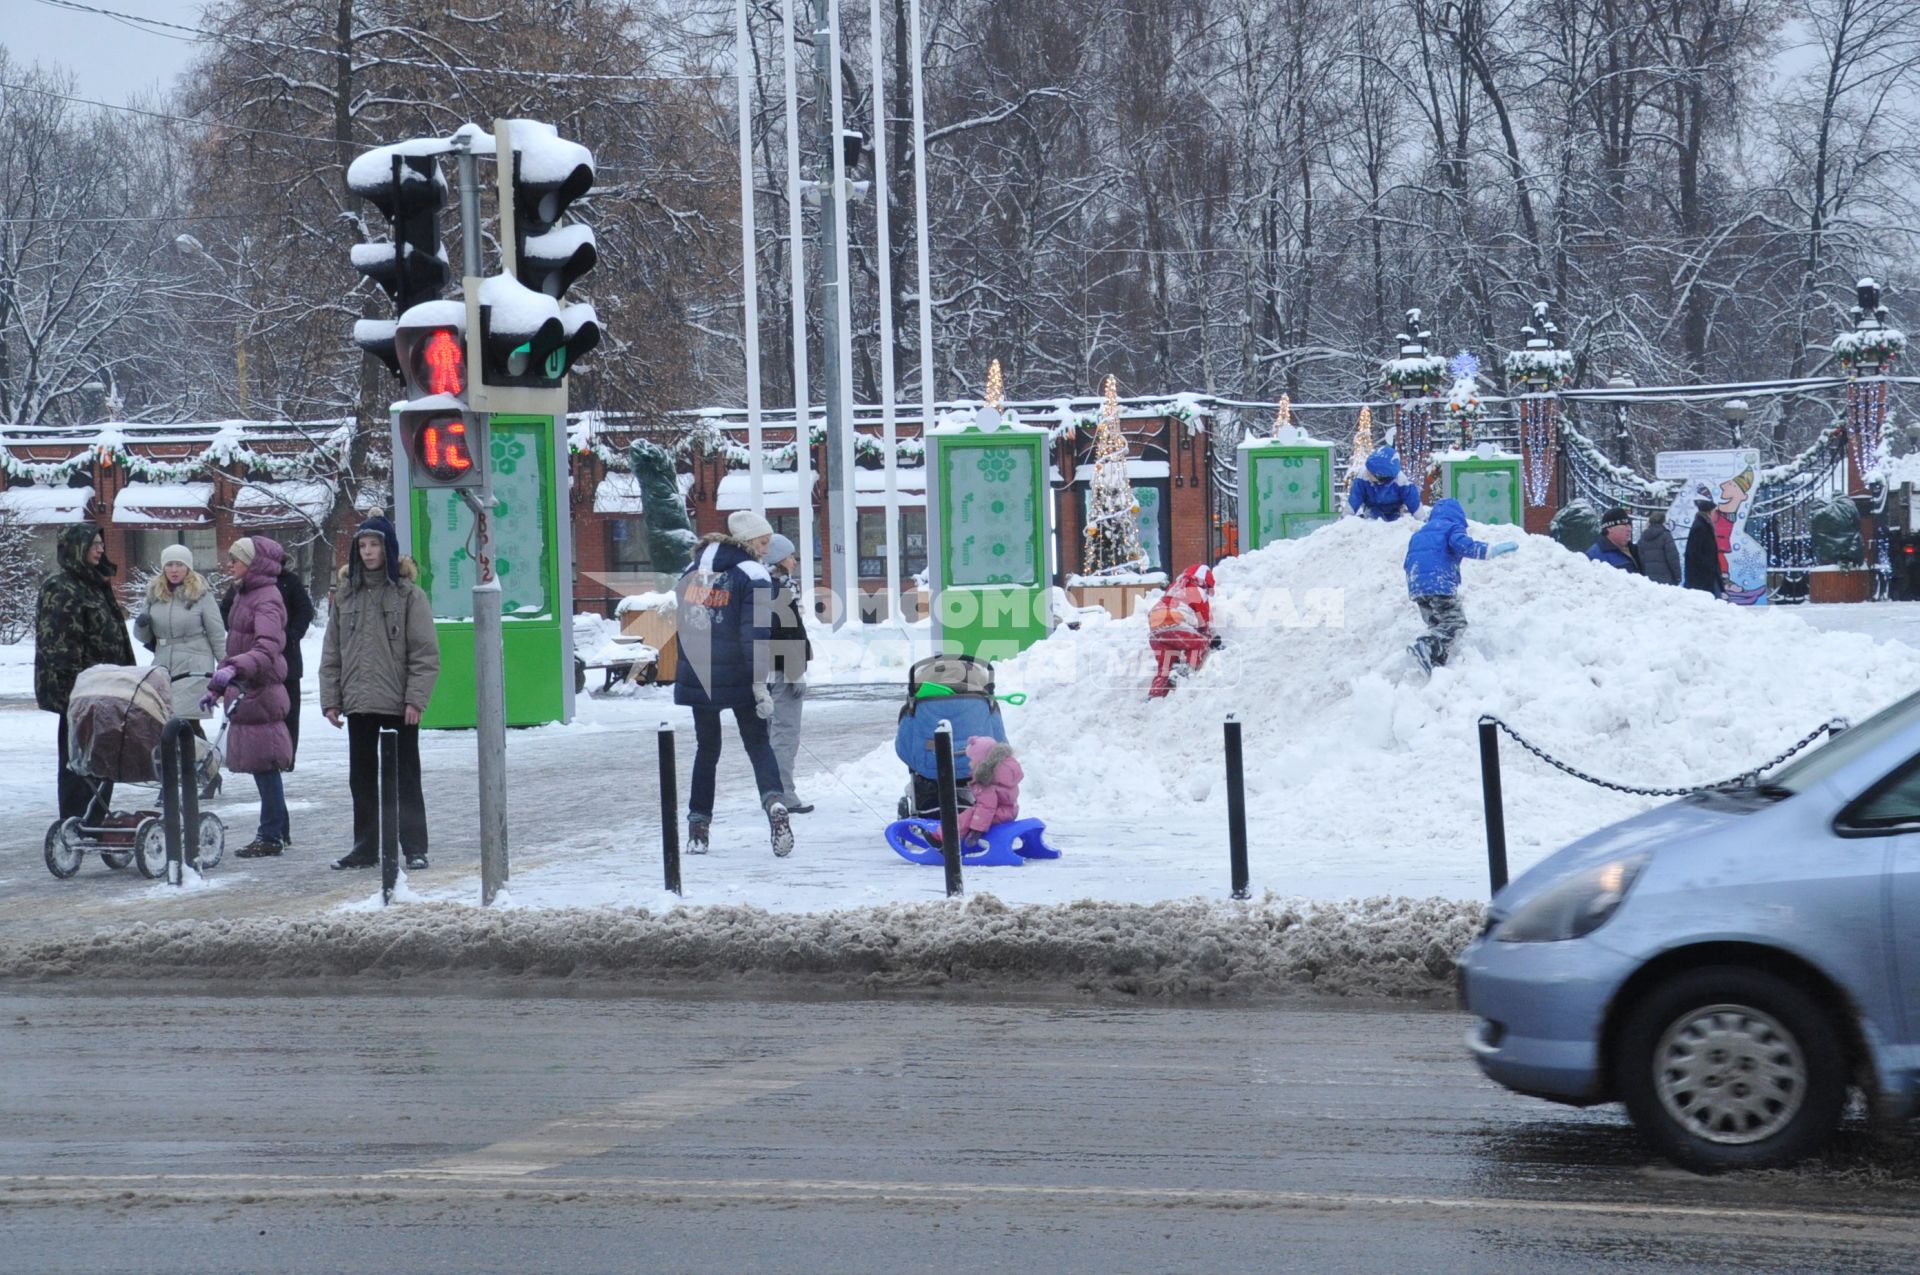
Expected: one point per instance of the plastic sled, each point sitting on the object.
(1003, 845)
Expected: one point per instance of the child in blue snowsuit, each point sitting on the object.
(1379, 493)
(1433, 579)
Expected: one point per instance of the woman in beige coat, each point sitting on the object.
(180, 623)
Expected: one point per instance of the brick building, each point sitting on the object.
(206, 485)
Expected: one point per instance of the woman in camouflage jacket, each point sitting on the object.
(77, 624)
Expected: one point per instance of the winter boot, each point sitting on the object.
(780, 830)
(1422, 653)
(696, 836)
(259, 848)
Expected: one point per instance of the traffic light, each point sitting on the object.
(444, 440)
(411, 267)
(523, 339)
(549, 174)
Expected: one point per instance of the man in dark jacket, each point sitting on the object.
(1659, 556)
(723, 613)
(78, 623)
(1615, 545)
(1703, 547)
(791, 651)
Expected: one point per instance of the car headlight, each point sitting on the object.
(1577, 906)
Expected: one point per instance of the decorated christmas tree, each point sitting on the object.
(1113, 516)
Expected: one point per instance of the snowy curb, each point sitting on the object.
(1185, 950)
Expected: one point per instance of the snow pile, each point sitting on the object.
(1190, 950)
(1354, 762)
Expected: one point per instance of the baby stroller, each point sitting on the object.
(115, 717)
(954, 688)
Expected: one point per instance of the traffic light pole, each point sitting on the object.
(489, 674)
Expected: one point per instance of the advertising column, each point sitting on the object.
(527, 527)
(989, 570)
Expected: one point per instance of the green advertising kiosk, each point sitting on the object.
(533, 556)
(1287, 487)
(1486, 482)
(989, 569)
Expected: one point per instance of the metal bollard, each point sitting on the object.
(172, 811)
(389, 813)
(1496, 810)
(949, 807)
(1236, 809)
(669, 812)
(189, 799)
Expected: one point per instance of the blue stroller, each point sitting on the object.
(963, 695)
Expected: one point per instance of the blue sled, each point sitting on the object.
(1003, 845)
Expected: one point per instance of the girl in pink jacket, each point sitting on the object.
(996, 786)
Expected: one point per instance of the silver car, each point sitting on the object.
(1728, 965)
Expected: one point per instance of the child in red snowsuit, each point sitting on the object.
(1181, 624)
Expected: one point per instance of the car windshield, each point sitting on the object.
(1812, 768)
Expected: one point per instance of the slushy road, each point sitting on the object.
(519, 1128)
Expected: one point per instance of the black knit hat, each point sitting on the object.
(1615, 517)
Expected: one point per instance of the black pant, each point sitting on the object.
(76, 791)
(293, 733)
(706, 758)
(363, 777)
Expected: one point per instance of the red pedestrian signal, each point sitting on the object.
(442, 364)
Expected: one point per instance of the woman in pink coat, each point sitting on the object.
(258, 742)
(996, 786)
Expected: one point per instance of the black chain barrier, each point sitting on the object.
(1744, 779)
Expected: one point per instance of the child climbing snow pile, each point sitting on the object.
(1380, 492)
(1181, 626)
(996, 786)
(1433, 579)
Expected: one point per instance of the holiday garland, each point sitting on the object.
(1548, 368)
(1422, 373)
(228, 450)
(1537, 422)
(1879, 346)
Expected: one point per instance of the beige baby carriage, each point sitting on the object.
(115, 717)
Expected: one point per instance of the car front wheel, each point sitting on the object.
(1731, 1068)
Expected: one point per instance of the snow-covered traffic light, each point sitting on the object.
(443, 440)
(549, 174)
(411, 267)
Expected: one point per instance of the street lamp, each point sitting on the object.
(1735, 410)
(1622, 441)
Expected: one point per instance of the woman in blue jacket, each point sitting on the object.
(1379, 493)
(1433, 579)
(723, 619)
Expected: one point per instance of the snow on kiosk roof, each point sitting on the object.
(163, 504)
(46, 506)
(781, 490)
(292, 501)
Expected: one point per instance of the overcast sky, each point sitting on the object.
(114, 60)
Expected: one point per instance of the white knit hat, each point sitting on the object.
(242, 549)
(176, 553)
(744, 524)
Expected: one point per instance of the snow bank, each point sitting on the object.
(1353, 759)
(1188, 950)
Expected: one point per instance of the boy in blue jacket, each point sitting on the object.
(1379, 493)
(1433, 579)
